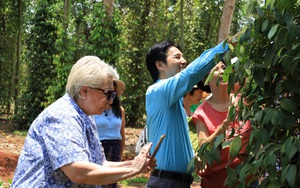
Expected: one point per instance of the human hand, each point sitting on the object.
(234, 39)
(199, 169)
(142, 162)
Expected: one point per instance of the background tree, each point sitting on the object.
(132, 64)
(120, 33)
(66, 49)
(9, 22)
(226, 20)
(40, 63)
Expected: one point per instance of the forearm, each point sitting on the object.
(90, 173)
(203, 135)
(118, 164)
(202, 138)
(205, 62)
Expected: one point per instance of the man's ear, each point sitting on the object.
(160, 65)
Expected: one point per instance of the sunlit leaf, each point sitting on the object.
(270, 4)
(272, 31)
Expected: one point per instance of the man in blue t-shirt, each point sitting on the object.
(165, 113)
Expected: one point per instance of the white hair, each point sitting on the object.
(90, 71)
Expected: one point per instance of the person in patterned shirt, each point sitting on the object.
(62, 148)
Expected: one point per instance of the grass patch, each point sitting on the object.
(134, 181)
(5, 185)
(20, 133)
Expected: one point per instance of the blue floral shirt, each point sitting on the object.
(60, 135)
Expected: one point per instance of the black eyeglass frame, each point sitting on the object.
(110, 94)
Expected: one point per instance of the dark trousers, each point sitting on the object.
(112, 149)
(156, 182)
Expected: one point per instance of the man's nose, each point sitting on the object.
(183, 61)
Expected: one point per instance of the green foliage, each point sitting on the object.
(5, 185)
(20, 133)
(134, 181)
(105, 32)
(66, 47)
(132, 59)
(55, 38)
(40, 65)
(151, 24)
(268, 53)
(8, 34)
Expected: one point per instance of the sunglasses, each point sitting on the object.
(110, 94)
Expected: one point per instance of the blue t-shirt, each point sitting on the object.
(109, 126)
(166, 115)
(60, 135)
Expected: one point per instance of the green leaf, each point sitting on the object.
(190, 165)
(291, 153)
(288, 105)
(226, 144)
(219, 139)
(272, 31)
(235, 146)
(242, 173)
(272, 159)
(246, 35)
(287, 146)
(265, 25)
(267, 117)
(216, 154)
(259, 77)
(232, 112)
(285, 3)
(291, 175)
(231, 173)
(258, 115)
(241, 185)
(270, 4)
(263, 136)
(276, 117)
(272, 172)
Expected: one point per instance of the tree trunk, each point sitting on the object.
(66, 14)
(109, 7)
(181, 25)
(226, 20)
(18, 62)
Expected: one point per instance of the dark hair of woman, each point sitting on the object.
(116, 106)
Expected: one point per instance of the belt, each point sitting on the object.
(178, 176)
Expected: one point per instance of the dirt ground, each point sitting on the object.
(11, 146)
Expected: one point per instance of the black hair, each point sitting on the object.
(206, 88)
(203, 87)
(158, 52)
(116, 106)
